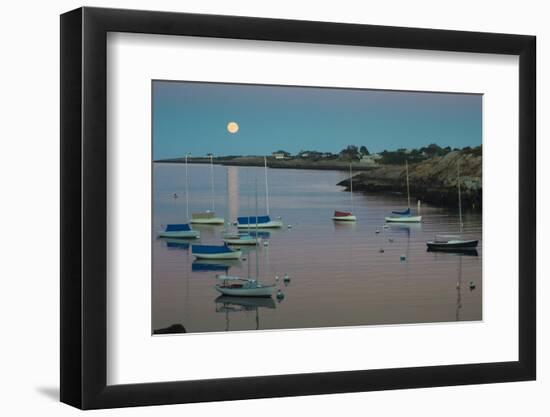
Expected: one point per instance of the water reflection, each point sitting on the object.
(177, 243)
(230, 305)
(342, 274)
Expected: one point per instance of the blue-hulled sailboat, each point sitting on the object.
(263, 222)
(405, 216)
(181, 230)
(215, 252)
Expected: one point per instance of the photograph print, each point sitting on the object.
(290, 207)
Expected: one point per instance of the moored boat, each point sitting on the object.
(261, 222)
(243, 287)
(346, 216)
(453, 242)
(405, 216)
(182, 230)
(208, 216)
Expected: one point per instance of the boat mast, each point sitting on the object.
(351, 188)
(459, 198)
(227, 220)
(212, 179)
(186, 188)
(408, 190)
(266, 187)
(256, 237)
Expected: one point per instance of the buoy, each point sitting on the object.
(279, 217)
(287, 278)
(377, 231)
(244, 259)
(289, 226)
(276, 277)
(472, 285)
(175, 195)
(402, 257)
(385, 226)
(280, 295)
(266, 243)
(381, 250)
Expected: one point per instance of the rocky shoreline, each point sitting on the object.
(433, 181)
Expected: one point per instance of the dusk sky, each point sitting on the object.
(193, 117)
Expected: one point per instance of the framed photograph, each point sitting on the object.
(256, 208)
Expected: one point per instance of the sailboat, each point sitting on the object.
(453, 242)
(346, 216)
(405, 216)
(245, 287)
(181, 230)
(215, 252)
(236, 238)
(260, 221)
(208, 216)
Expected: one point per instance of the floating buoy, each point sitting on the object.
(244, 259)
(280, 295)
(266, 243)
(377, 231)
(402, 257)
(472, 285)
(279, 217)
(287, 278)
(381, 250)
(175, 195)
(385, 226)
(289, 226)
(276, 277)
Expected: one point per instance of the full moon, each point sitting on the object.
(232, 127)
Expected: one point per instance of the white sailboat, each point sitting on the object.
(264, 222)
(181, 230)
(346, 216)
(237, 237)
(451, 242)
(405, 216)
(208, 216)
(245, 287)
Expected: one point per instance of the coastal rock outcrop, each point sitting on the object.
(433, 180)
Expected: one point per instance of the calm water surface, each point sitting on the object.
(338, 275)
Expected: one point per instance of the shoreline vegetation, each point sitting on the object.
(432, 170)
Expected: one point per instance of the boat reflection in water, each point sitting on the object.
(172, 243)
(217, 265)
(230, 304)
(454, 251)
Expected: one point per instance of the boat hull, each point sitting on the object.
(404, 219)
(212, 220)
(237, 241)
(452, 246)
(225, 255)
(264, 291)
(182, 234)
(344, 218)
(267, 225)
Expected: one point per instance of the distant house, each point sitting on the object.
(280, 155)
(370, 160)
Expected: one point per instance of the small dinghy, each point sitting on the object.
(179, 231)
(243, 287)
(346, 216)
(215, 252)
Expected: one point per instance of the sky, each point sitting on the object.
(192, 117)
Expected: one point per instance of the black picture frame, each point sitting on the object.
(84, 207)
